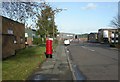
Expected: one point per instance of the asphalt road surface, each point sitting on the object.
(96, 61)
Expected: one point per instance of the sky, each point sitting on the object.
(84, 17)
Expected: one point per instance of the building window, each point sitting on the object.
(26, 41)
(116, 38)
(10, 31)
(15, 40)
(112, 38)
(26, 34)
(21, 40)
(116, 35)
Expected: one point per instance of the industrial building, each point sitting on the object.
(109, 35)
(13, 36)
(93, 37)
(62, 36)
(30, 34)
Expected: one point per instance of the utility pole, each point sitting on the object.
(53, 25)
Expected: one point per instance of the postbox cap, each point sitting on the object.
(51, 39)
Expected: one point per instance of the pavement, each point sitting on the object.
(56, 68)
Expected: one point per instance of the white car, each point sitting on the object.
(66, 42)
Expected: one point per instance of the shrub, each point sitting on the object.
(37, 41)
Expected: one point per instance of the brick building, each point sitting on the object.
(13, 36)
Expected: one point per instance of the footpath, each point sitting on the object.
(56, 68)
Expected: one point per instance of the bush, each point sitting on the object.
(37, 41)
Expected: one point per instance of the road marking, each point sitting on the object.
(87, 48)
(91, 50)
(83, 46)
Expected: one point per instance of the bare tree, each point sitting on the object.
(116, 22)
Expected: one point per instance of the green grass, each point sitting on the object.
(20, 66)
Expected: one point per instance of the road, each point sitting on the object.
(96, 61)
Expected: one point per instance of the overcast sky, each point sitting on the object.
(84, 17)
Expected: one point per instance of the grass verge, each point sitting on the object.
(20, 66)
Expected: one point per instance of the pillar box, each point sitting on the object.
(49, 49)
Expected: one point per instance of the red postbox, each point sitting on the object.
(49, 48)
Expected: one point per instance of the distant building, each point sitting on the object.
(83, 37)
(65, 36)
(93, 37)
(30, 34)
(13, 36)
(108, 35)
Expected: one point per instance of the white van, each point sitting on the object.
(66, 42)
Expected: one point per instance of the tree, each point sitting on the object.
(45, 22)
(21, 11)
(116, 22)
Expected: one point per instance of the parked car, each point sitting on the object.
(66, 42)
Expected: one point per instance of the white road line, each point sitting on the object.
(83, 46)
(87, 48)
(91, 50)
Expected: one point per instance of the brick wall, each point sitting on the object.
(18, 30)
